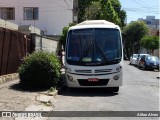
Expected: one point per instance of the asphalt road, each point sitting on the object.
(140, 92)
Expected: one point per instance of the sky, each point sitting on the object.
(140, 9)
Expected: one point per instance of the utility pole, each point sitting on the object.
(75, 11)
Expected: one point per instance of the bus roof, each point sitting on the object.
(95, 24)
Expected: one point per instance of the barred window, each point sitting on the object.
(30, 13)
(7, 13)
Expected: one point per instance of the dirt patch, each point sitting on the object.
(13, 98)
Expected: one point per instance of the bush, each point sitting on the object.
(40, 70)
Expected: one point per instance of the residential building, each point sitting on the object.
(151, 22)
(48, 15)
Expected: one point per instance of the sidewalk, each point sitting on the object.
(14, 98)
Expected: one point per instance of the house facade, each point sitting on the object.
(48, 15)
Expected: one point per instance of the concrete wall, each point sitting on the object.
(47, 44)
(53, 14)
(8, 25)
(27, 29)
(156, 52)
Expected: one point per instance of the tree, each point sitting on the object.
(82, 5)
(62, 41)
(150, 43)
(122, 16)
(121, 13)
(63, 37)
(98, 9)
(133, 33)
(108, 12)
(92, 12)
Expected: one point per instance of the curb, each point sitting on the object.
(8, 77)
(48, 99)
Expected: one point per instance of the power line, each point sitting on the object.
(140, 10)
(144, 3)
(150, 8)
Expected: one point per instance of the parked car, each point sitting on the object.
(138, 58)
(133, 59)
(149, 62)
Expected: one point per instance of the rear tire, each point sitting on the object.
(139, 66)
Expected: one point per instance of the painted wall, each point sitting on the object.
(8, 25)
(53, 14)
(45, 44)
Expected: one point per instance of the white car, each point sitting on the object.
(133, 59)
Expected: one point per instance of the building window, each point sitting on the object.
(7, 13)
(148, 22)
(30, 13)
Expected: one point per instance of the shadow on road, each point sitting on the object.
(20, 87)
(87, 92)
(150, 70)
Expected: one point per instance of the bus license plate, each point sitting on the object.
(93, 79)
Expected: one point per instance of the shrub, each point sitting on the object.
(40, 70)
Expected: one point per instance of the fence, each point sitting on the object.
(13, 47)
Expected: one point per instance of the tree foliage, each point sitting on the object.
(120, 12)
(92, 12)
(150, 43)
(133, 33)
(101, 9)
(122, 16)
(63, 36)
(108, 13)
(82, 5)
